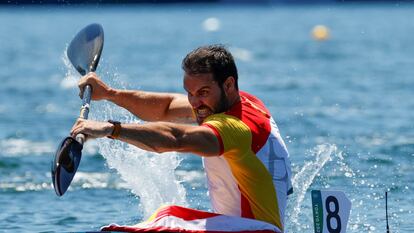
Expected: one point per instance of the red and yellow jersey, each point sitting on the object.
(252, 177)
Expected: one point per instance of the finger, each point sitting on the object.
(82, 80)
(81, 85)
(77, 127)
(75, 130)
(89, 77)
(73, 133)
(79, 121)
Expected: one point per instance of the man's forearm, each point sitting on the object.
(151, 106)
(164, 136)
(156, 137)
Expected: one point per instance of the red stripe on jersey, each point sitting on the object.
(256, 116)
(217, 136)
(246, 210)
(255, 100)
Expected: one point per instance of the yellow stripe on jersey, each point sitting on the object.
(253, 179)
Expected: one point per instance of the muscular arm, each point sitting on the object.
(151, 106)
(156, 136)
(163, 137)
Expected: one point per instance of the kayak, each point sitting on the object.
(184, 220)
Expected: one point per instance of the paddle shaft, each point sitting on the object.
(83, 52)
(84, 112)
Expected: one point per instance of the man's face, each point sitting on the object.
(205, 95)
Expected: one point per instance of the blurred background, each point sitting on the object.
(336, 75)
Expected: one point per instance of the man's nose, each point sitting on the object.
(194, 101)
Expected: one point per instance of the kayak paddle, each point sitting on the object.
(83, 52)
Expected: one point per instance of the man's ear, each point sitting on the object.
(229, 84)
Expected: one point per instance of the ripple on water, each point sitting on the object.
(380, 159)
(5, 164)
(66, 220)
(405, 149)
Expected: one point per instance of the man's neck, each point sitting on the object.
(234, 99)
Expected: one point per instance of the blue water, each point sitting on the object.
(344, 107)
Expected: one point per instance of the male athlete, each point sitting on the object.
(244, 156)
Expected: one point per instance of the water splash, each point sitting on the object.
(149, 176)
(326, 168)
(71, 76)
(303, 180)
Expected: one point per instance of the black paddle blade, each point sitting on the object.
(85, 49)
(65, 164)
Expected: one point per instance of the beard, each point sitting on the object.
(223, 103)
(221, 106)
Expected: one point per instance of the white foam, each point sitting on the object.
(91, 147)
(69, 82)
(191, 176)
(84, 180)
(148, 175)
(29, 186)
(47, 108)
(18, 147)
(90, 180)
(24, 147)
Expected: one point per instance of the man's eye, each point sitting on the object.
(203, 93)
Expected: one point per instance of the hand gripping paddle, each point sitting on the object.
(83, 52)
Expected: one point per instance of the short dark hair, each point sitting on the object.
(214, 59)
